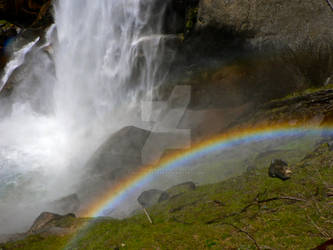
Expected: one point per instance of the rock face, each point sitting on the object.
(279, 169)
(26, 12)
(151, 197)
(270, 21)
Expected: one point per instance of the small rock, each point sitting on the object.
(151, 197)
(279, 169)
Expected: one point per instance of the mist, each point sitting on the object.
(74, 87)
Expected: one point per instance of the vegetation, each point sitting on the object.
(244, 212)
(191, 17)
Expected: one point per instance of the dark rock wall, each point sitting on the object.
(273, 21)
(22, 17)
(24, 13)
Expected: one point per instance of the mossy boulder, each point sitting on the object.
(151, 197)
(181, 188)
(66, 205)
(47, 221)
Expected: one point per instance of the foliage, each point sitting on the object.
(236, 213)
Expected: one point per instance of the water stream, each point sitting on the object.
(100, 59)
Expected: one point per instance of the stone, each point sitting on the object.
(279, 169)
(151, 197)
(119, 154)
(44, 220)
(181, 188)
(116, 158)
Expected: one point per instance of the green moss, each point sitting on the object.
(214, 216)
(191, 18)
(305, 92)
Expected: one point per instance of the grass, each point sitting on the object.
(214, 216)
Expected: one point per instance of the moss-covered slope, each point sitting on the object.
(245, 212)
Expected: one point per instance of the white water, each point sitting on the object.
(105, 59)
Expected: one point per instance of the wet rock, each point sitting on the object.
(151, 197)
(119, 154)
(66, 205)
(44, 220)
(279, 169)
(181, 188)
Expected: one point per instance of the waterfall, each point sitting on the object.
(85, 80)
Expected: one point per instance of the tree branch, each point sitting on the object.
(245, 232)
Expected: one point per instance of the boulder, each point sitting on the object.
(181, 188)
(119, 154)
(279, 169)
(116, 158)
(151, 197)
(44, 222)
(66, 205)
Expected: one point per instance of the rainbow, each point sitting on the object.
(117, 193)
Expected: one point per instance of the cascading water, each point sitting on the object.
(100, 59)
